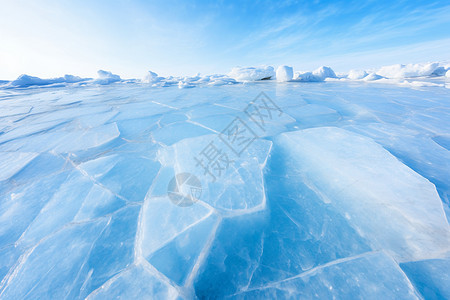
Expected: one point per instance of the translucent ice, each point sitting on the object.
(430, 277)
(373, 275)
(387, 202)
(92, 204)
(234, 185)
(136, 282)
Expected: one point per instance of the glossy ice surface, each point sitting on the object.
(335, 189)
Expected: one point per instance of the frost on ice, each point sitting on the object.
(338, 189)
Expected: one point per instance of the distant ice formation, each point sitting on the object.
(105, 77)
(252, 73)
(406, 71)
(356, 74)
(27, 80)
(151, 77)
(284, 73)
(412, 75)
(319, 74)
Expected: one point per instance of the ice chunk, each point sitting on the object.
(126, 175)
(160, 212)
(387, 202)
(252, 73)
(117, 241)
(356, 74)
(447, 74)
(409, 70)
(284, 73)
(180, 257)
(235, 184)
(369, 276)
(137, 282)
(105, 77)
(173, 237)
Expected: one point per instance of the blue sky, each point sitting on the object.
(49, 38)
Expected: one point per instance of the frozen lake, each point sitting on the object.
(264, 189)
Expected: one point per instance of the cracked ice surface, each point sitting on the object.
(343, 194)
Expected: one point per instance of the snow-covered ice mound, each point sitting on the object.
(319, 74)
(410, 70)
(356, 74)
(27, 80)
(106, 77)
(284, 73)
(337, 189)
(252, 73)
